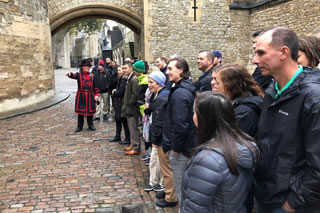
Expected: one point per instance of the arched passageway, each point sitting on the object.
(121, 15)
(61, 18)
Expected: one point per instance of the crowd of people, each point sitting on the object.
(228, 141)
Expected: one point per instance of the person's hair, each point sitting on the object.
(282, 36)
(310, 45)
(209, 54)
(257, 33)
(128, 63)
(182, 64)
(164, 59)
(217, 127)
(146, 65)
(237, 81)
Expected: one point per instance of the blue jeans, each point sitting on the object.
(178, 165)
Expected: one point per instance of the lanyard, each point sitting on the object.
(279, 92)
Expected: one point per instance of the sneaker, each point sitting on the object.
(148, 188)
(158, 188)
(145, 157)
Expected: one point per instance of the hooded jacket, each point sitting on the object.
(209, 186)
(179, 130)
(247, 110)
(289, 139)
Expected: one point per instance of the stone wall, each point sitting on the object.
(174, 30)
(26, 73)
(302, 16)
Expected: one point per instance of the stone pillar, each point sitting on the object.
(66, 48)
(60, 49)
(26, 73)
(94, 46)
(146, 34)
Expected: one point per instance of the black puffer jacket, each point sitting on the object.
(247, 110)
(209, 186)
(159, 105)
(179, 130)
(289, 138)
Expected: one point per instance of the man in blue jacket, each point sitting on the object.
(179, 130)
(288, 173)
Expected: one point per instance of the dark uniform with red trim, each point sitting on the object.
(85, 103)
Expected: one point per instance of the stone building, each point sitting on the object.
(161, 27)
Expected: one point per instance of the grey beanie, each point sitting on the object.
(158, 77)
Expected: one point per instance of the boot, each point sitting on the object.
(115, 139)
(80, 123)
(91, 128)
(78, 129)
(90, 123)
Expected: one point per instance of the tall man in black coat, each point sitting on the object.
(179, 129)
(263, 80)
(288, 173)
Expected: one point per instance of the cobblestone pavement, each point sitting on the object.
(46, 167)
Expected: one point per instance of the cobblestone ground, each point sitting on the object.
(46, 167)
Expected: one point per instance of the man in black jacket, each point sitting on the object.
(103, 82)
(263, 80)
(162, 64)
(205, 64)
(288, 173)
(179, 130)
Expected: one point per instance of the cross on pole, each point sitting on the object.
(195, 9)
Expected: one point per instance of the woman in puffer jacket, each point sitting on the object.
(219, 175)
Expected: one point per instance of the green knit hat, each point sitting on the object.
(139, 66)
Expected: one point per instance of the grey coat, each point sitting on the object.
(209, 186)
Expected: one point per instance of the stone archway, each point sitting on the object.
(59, 19)
(121, 15)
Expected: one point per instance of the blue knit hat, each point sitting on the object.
(217, 53)
(158, 77)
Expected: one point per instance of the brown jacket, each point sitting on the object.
(130, 107)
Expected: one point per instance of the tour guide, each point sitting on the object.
(86, 96)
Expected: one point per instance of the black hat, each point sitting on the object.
(85, 62)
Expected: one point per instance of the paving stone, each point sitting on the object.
(17, 206)
(46, 167)
(104, 210)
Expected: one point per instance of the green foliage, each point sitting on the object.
(88, 26)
